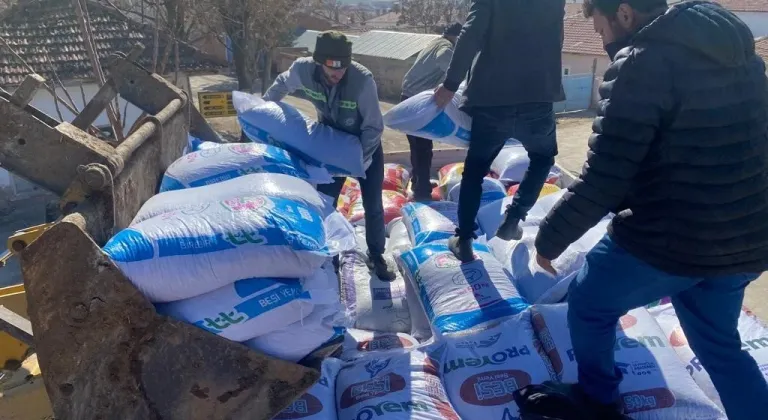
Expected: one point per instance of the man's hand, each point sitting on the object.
(443, 96)
(545, 264)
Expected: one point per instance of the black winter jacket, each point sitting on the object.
(679, 150)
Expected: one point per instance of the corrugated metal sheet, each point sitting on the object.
(394, 45)
(309, 38)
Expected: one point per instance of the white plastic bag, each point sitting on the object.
(212, 165)
(420, 116)
(482, 370)
(534, 283)
(455, 296)
(319, 403)
(400, 386)
(429, 222)
(511, 163)
(296, 341)
(489, 216)
(272, 185)
(372, 304)
(398, 240)
(655, 386)
(282, 125)
(358, 343)
(493, 190)
(186, 253)
(754, 337)
(247, 308)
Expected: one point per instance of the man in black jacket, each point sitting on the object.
(513, 84)
(680, 154)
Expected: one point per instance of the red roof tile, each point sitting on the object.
(580, 37)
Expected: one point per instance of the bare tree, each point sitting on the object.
(425, 14)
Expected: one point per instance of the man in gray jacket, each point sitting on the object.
(344, 95)
(516, 47)
(426, 74)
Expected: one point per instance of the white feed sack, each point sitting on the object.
(534, 283)
(656, 385)
(458, 297)
(511, 163)
(754, 337)
(228, 161)
(398, 240)
(396, 386)
(272, 185)
(490, 216)
(420, 116)
(428, 222)
(296, 341)
(359, 343)
(185, 253)
(372, 304)
(319, 403)
(282, 125)
(493, 190)
(482, 370)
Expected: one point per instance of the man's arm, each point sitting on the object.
(373, 123)
(469, 42)
(286, 83)
(636, 96)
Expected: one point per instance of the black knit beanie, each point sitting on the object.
(333, 50)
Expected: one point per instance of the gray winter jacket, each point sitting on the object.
(429, 69)
(351, 106)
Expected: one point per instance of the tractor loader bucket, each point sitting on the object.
(103, 351)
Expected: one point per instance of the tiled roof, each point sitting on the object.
(580, 37)
(573, 9)
(386, 44)
(744, 5)
(46, 34)
(761, 47)
(308, 39)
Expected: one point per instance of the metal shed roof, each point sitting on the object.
(394, 45)
(309, 38)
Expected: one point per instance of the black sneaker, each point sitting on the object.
(510, 227)
(558, 401)
(381, 268)
(462, 248)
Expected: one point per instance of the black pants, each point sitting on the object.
(370, 190)
(533, 124)
(421, 163)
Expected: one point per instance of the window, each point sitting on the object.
(566, 70)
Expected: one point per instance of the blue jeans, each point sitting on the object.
(532, 124)
(370, 191)
(613, 282)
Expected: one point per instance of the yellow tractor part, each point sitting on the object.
(20, 240)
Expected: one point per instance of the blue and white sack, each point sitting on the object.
(212, 165)
(282, 125)
(493, 190)
(319, 403)
(420, 116)
(458, 297)
(272, 185)
(192, 251)
(429, 222)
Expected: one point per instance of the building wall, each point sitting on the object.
(12, 186)
(757, 22)
(388, 74)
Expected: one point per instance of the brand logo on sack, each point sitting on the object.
(494, 387)
(546, 341)
(373, 388)
(495, 359)
(375, 366)
(248, 149)
(206, 153)
(307, 405)
(386, 342)
(240, 204)
(479, 344)
(641, 368)
(647, 399)
(626, 322)
(446, 261)
(372, 411)
(221, 322)
(677, 338)
(242, 237)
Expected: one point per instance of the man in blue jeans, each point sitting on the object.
(680, 154)
(514, 82)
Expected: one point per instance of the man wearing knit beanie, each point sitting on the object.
(344, 95)
(427, 72)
